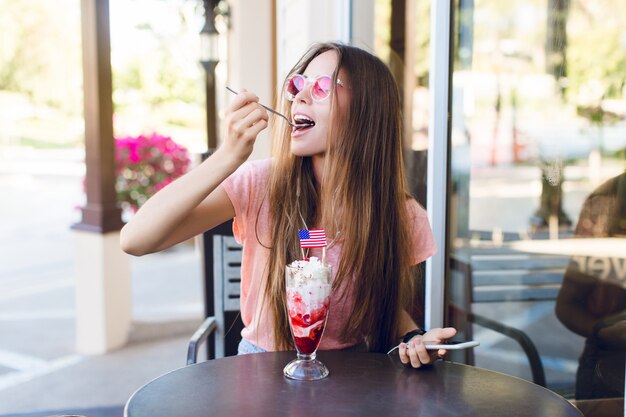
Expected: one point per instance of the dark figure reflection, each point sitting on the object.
(592, 300)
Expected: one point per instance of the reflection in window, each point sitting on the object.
(592, 299)
(538, 140)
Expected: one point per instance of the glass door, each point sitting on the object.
(537, 214)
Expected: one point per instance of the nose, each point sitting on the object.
(304, 95)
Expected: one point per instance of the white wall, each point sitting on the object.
(250, 56)
(363, 24)
(301, 23)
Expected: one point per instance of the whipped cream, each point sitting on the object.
(308, 285)
(313, 269)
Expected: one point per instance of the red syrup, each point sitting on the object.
(307, 328)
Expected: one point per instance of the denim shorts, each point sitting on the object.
(246, 348)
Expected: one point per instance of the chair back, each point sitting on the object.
(227, 288)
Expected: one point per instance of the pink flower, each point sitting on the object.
(146, 164)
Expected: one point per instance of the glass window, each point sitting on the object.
(401, 35)
(537, 222)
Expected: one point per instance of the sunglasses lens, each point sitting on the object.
(319, 91)
(321, 88)
(294, 86)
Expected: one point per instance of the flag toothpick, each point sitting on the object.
(313, 238)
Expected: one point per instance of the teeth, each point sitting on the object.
(299, 118)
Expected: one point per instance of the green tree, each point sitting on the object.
(40, 51)
(597, 48)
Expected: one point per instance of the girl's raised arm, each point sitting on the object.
(195, 202)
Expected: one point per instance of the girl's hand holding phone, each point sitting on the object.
(415, 353)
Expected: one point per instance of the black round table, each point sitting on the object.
(359, 384)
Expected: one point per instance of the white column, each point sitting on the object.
(438, 158)
(362, 24)
(251, 55)
(301, 23)
(102, 294)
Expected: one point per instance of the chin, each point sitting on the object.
(308, 147)
(298, 151)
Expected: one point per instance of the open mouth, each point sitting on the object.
(302, 122)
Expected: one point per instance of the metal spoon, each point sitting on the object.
(269, 109)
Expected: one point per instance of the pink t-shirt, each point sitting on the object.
(247, 189)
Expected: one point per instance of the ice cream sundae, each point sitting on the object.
(308, 283)
(308, 296)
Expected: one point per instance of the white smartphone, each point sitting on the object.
(451, 346)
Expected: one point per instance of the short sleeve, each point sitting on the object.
(245, 189)
(422, 239)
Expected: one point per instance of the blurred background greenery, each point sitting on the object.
(157, 81)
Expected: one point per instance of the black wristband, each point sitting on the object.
(411, 334)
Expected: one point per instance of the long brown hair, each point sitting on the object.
(363, 194)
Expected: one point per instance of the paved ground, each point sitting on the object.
(39, 368)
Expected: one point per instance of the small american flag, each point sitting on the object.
(314, 238)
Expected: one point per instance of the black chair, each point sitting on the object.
(502, 277)
(226, 323)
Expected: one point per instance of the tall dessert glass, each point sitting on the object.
(308, 296)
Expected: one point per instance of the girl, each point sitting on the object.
(342, 170)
